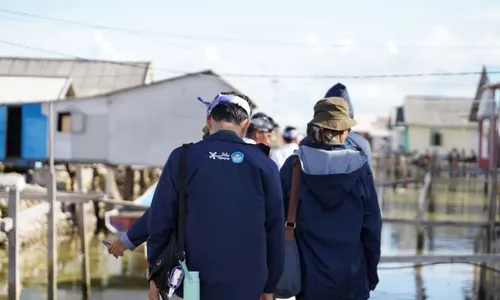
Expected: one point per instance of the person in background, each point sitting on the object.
(234, 225)
(290, 136)
(260, 130)
(138, 232)
(353, 139)
(338, 218)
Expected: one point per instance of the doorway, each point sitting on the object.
(14, 129)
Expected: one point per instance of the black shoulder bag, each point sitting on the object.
(174, 252)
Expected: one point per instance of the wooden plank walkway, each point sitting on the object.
(423, 259)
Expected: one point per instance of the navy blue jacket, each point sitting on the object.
(137, 233)
(235, 219)
(338, 222)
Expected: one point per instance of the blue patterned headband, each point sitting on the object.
(220, 98)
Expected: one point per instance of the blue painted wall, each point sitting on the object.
(34, 137)
(3, 130)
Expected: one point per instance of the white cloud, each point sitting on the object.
(105, 50)
(315, 45)
(211, 54)
(438, 50)
(346, 46)
(490, 15)
(441, 36)
(392, 47)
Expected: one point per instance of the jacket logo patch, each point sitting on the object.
(237, 157)
(216, 156)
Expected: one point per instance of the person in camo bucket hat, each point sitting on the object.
(333, 113)
(353, 139)
(336, 191)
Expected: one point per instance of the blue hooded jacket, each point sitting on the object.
(338, 222)
(353, 139)
(234, 217)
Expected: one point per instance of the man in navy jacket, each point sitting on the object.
(138, 232)
(234, 204)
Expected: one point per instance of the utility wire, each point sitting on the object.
(256, 76)
(260, 42)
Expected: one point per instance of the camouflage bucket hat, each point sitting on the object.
(332, 113)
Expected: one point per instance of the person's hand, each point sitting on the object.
(116, 248)
(154, 292)
(266, 296)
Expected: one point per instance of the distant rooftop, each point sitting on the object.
(90, 77)
(209, 73)
(486, 78)
(24, 89)
(436, 111)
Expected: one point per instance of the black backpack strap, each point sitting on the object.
(181, 217)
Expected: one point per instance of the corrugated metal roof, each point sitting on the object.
(25, 89)
(90, 77)
(436, 111)
(253, 104)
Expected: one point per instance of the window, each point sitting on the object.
(436, 138)
(73, 122)
(64, 122)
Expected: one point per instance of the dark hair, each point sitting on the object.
(261, 122)
(230, 112)
(322, 136)
(287, 139)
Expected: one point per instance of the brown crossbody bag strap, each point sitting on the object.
(293, 202)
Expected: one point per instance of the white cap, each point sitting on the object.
(221, 98)
(291, 134)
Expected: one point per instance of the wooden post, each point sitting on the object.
(128, 183)
(421, 237)
(108, 183)
(381, 177)
(84, 246)
(51, 217)
(419, 283)
(422, 208)
(492, 207)
(14, 289)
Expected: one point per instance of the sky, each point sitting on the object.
(279, 37)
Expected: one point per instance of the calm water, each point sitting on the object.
(124, 278)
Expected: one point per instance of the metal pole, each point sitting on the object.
(13, 239)
(51, 228)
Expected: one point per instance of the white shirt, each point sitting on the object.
(280, 154)
(249, 141)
